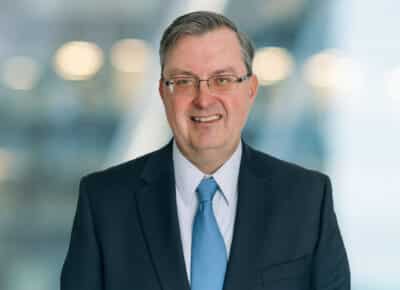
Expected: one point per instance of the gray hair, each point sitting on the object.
(198, 23)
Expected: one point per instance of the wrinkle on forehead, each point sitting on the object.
(214, 52)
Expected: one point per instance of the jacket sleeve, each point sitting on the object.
(330, 264)
(82, 268)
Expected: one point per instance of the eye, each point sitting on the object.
(223, 80)
(183, 82)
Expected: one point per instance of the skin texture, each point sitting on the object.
(207, 145)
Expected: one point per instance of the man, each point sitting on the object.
(206, 212)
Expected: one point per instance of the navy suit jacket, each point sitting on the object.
(126, 234)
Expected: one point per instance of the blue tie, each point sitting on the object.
(209, 259)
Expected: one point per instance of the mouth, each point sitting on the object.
(206, 119)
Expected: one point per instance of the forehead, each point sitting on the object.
(205, 53)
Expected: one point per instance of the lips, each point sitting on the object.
(206, 119)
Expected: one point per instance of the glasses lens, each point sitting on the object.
(224, 83)
(181, 86)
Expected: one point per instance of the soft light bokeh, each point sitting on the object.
(78, 93)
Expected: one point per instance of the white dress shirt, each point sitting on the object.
(187, 178)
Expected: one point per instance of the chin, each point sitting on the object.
(208, 145)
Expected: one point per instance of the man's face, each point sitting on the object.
(204, 121)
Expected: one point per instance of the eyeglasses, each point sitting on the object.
(218, 84)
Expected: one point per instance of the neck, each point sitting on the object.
(210, 160)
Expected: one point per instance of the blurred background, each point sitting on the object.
(78, 93)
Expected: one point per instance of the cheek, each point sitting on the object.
(177, 112)
(237, 111)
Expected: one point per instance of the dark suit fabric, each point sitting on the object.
(126, 234)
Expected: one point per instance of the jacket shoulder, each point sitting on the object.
(265, 164)
(122, 174)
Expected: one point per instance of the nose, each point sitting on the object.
(203, 98)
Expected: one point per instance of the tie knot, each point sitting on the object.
(207, 189)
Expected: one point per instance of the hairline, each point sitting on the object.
(176, 40)
(175, 32)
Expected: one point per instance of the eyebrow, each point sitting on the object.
(177, 71)
(228, 69)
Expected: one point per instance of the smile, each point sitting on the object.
(207, 119)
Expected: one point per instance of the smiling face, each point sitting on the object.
(207, 126)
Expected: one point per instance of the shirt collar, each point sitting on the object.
(188, 176)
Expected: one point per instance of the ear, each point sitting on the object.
(161, 88)
(253, 89)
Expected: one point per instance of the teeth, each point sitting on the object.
(207, 119)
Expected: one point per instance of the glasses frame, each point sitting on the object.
(170, 82)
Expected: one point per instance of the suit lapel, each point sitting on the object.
(255, 203)
(158, 212)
